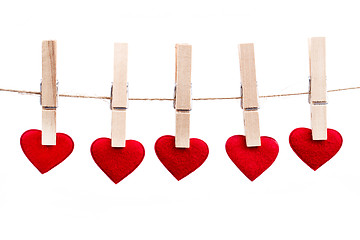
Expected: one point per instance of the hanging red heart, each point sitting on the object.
(315, 153)
(44, 158)
(252, 161)
(180, 162)
(117, 163)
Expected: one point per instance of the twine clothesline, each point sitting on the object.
(171, 99)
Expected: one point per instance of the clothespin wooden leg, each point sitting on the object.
(48, 136)
(183, 95)
(252, 128)
(318, 99)
(318, 122)
(118, 128)
(119, 94)
(182, 130)
(249, 100)
(48, 93)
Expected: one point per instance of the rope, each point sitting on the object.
(170, 99)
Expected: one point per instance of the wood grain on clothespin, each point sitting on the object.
(119, 100)
(48, 93)
(249, 101)
(183, 95)
(317, 97)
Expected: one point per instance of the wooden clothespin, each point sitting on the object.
(48, 93)
(119, 95)
(249, 100)
(317, 97)
(183, 95)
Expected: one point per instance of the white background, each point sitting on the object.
(77, 201)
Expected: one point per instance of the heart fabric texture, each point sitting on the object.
(180, 162)
(252, 161)
(315, 153)
(43, 157)
(117, 163)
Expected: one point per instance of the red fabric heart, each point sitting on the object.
(117, 163)
(252, 161)
(315, 153)
(180, 162)
(44, 158)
